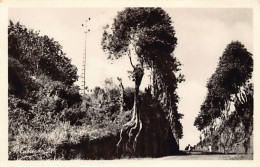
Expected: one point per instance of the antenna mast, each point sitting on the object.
(86, 30)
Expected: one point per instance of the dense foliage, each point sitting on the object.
(45, 108)
(148, 34)
(148, 29)
(46, 111)
(40, 79)
(39, 54)
(229, 85)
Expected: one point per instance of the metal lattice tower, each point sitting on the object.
(86, 30)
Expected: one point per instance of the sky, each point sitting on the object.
(202, 33)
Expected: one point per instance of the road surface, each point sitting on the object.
(209, 156)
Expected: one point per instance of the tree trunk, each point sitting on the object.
(133, 128)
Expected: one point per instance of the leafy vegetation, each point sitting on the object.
(230, 85)
(44, 105)
(47, 115)
(148, 35)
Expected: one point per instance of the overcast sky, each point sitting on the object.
(202, 36)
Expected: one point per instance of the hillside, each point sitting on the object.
(50, 119)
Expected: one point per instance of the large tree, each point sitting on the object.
(230, 83)
(147, 34)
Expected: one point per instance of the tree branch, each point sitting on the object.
(130, 58)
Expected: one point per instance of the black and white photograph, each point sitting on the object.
(130, 83)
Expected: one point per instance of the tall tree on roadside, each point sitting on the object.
(230, 83)
(148, 34)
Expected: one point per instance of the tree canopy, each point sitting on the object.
(148, 34)
(233, 72)
(148, 30)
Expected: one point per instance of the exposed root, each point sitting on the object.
(126, 128)
(138, 133)
(134, 120)
(132, 129)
